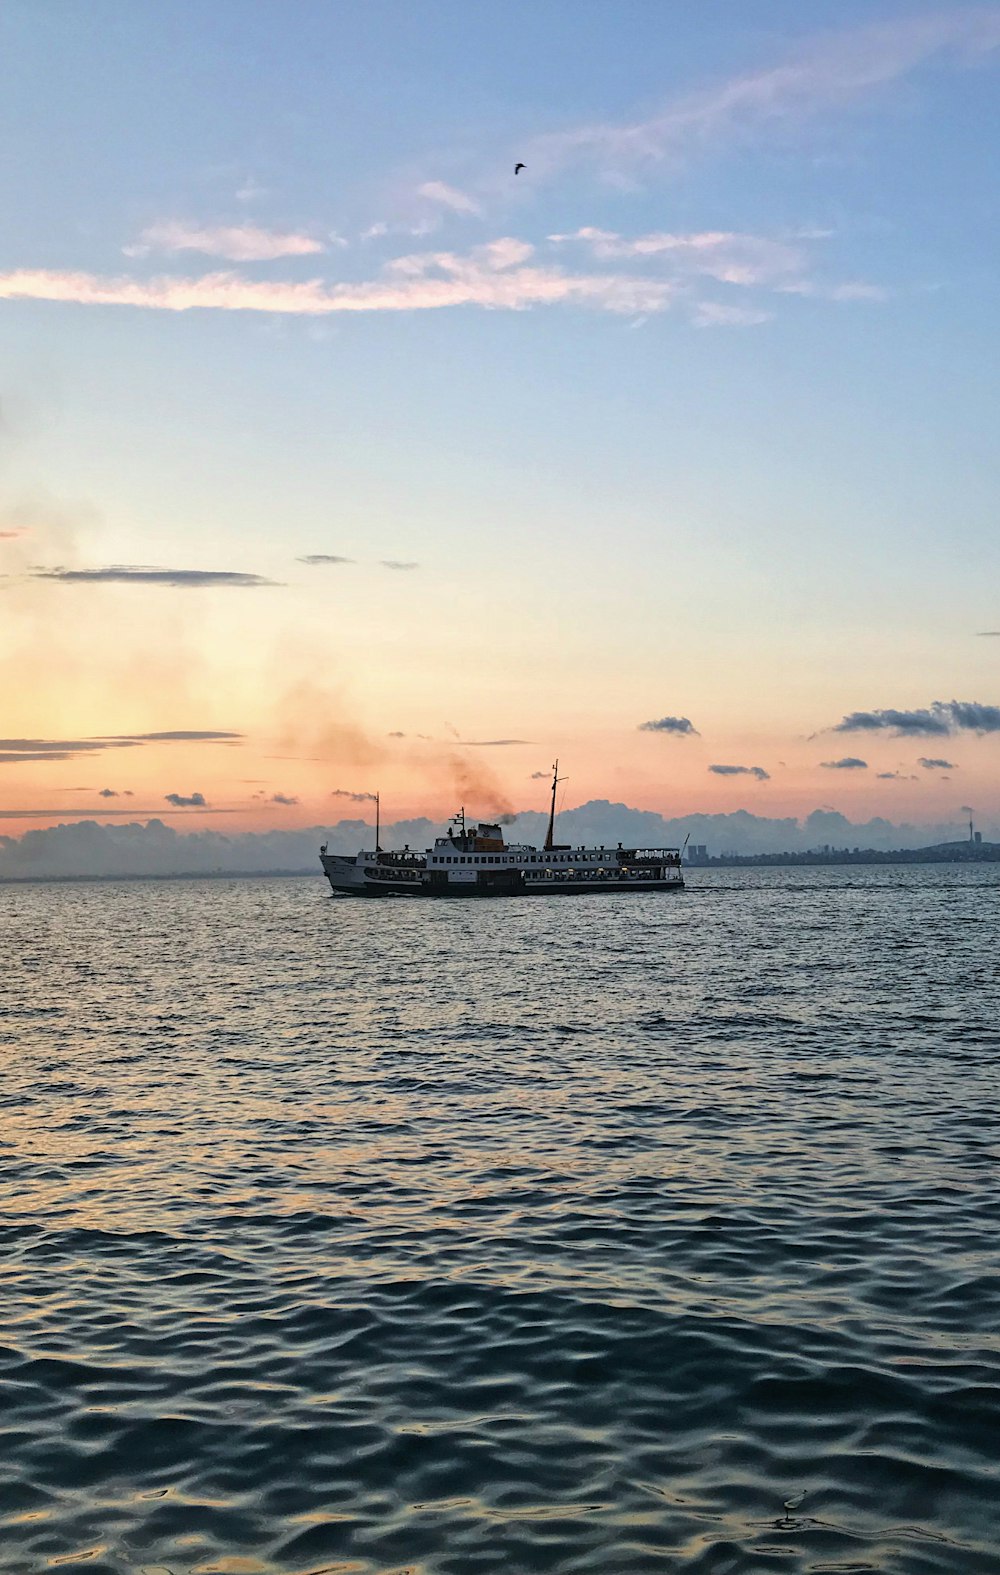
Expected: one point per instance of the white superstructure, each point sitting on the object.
(478, 863)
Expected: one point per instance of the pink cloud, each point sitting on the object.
(501, 275)
(236, 242)
(489, 277)
(448, 197)
(505, 253)
(727, 255)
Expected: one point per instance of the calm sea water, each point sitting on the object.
(605, 1235)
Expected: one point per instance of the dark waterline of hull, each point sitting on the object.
(553, 889)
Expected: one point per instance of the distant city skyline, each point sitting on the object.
(335, 457)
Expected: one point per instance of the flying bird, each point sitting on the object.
(518, 168)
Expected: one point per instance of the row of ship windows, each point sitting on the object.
(496, 858)
(482, 858)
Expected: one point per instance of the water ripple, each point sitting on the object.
(607, 1237)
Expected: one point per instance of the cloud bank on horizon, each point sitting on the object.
(87, 848)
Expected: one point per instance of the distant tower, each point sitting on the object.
(972, 834)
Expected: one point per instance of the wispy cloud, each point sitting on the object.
(988, 634)
(849, 290)
(20, 757)
(184, 735)
(431, 281)
(448, 197)
(186, 801)
(505, 252)
(236, 242)
(282, 798)
(501, 275)
(728, 256)
(827, 73)
(678, 726)
(937, 720)
(59, 748)
(830, 72)
(717, 314)
(250, 190)
(895, 776)
(128, 574)
(15, 751)
(99, 812)
(492, 743)
(849, 763)
(742, 771)
(936, 765)
(330, 559)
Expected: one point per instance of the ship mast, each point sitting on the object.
(556, 779)
(377, 846)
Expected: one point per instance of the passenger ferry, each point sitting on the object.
(476, 862)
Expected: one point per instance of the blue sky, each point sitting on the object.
(695, 416)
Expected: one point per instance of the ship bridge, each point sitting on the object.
(483, 838)
(463, 844)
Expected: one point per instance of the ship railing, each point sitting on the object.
(616, 872)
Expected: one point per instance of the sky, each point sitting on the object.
(337, 457)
